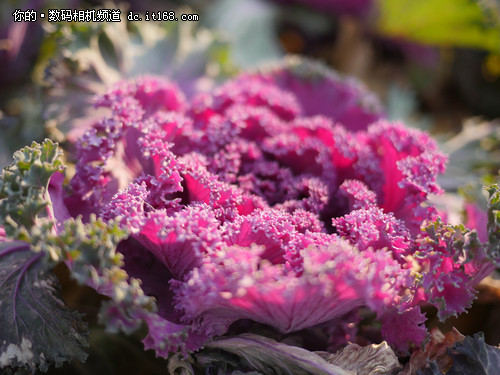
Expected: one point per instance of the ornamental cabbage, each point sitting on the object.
(283, 197)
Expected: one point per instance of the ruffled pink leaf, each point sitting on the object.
(152, 93)
(320, 91)
(165, 337)
(239, 284)
(358, 195)
(373, 228)
(268, 228)
(404, 329)
(249, 91)
(453, 261)
(182, 240)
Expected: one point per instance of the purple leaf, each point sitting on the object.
(36, 328)
(269, 356)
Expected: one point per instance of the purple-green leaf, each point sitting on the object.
(269, 356)
(473, 356)
(36, 328)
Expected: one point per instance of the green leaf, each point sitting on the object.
(462, 243)
(36, 328)
(90, 250)
(463, 23)
(23, 187)
(90, 247)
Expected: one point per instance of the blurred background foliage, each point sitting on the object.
(434, 63)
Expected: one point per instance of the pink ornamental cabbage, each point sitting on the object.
(281, 197)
